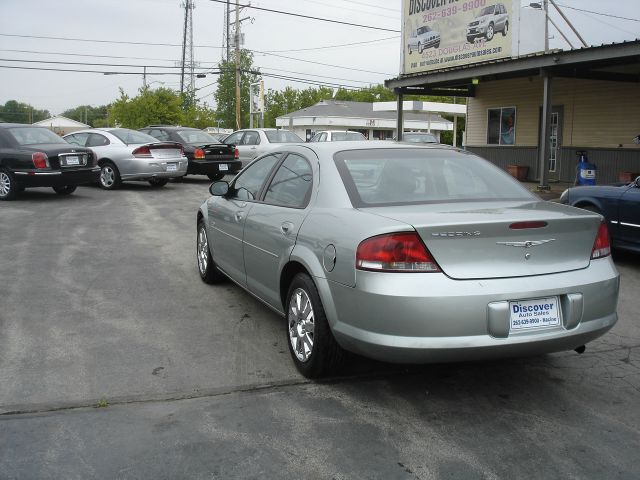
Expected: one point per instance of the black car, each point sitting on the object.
(207, 156)
(618, 204)
(33, 156)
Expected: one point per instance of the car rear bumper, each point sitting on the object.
(153, 168)
(207, 167)
(417, 319)
(35, 178)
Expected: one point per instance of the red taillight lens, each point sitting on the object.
(40, 160)
(236, 153)
(198, 154)
(143, 151)
(527, 225)
(395, 252)
(602, 245)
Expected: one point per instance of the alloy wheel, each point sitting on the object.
(107, 176)
(203, 250)
(5, 184)
(301, 321)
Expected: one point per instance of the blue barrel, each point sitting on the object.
(586, 174)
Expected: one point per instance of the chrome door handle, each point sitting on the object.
(238, 216)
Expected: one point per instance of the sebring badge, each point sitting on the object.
(527, 244)
(456, 234)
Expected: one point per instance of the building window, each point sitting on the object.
(501, 127)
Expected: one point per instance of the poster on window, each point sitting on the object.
(447, 33)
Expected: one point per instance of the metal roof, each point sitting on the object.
(616, 61)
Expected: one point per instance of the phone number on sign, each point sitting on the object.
(449, 11)
(533, 321)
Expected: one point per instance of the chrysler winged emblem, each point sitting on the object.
(526, 244)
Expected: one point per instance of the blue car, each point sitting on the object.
(620, 206)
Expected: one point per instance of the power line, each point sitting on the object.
(310, 17)
(334, 46)
(599, 13)
(91, 64)
(103, 41)
(39, 52)
(85, 71)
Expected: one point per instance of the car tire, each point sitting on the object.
(65, 189)
(312, 345)
(490, 32)
(409, 48)
(437, 45)
(8, 186)
(214, 177)
(420, 48)
(109, 176)
(471, 39)
(158, 182)
(207, 269)
(505, 30)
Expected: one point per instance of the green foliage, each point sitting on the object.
(225, 95)
(17, 112)
(148, 107)
(94, 116)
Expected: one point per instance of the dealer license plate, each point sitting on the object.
(73, 161)
(223, 167)
(172, 167)
(541, 312)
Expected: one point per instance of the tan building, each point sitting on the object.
(62, 125)
(588, 99)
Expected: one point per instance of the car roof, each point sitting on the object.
(14, 125)
(173, 127)
(329, 148)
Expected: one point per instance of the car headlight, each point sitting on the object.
(564, 198)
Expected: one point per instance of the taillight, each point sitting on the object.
(602, 245)
(40, 160)
(143, 151)
(198, 154)
(236, 153)
(395, 252)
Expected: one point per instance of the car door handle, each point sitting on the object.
(286, 228)
(238, 216)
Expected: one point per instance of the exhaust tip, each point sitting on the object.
(580, 350)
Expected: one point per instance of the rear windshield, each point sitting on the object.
(196, 137)
(282, 136)
(339, 136)
(132, 137)
(34, 136)
(423, 175)
(419, 138)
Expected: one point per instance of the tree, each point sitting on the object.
(160, 106)
(18, 112)
(94, 116)
(225, 95)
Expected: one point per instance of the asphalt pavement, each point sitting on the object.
(116, 361)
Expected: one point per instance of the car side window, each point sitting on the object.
(291, 185)
(251, 138)
(248, 184)
(96, 140)
(234, 138)
(323, 137)
(79, 139)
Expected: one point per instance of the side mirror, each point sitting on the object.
(219, 189)
(637, 182)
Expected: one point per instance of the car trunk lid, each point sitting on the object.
(500, 239)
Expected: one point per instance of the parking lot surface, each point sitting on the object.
(116, 361)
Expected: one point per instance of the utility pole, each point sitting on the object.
(237, 39)
(545, 6)
(584, 44)
(227, 25)
(187, 46)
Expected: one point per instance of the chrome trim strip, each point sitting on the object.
(262, 250)
(629, 224)
(227, 234)
(614, 221)
(38, 173)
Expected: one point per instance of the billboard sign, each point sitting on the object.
(448, 33)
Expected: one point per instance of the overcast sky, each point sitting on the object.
(84, 30)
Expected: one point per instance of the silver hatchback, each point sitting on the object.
(407, 253)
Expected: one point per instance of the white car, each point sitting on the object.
(337, 136)
(125, 154)
(422, 38)
(255, 141)
(492, 19)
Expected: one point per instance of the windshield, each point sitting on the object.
(487, 11)
(132, 137)
(339, 136)
(196, 137)
(419, 138)
(34, 136)
(282, 136)
(413, 176)
(423, 30)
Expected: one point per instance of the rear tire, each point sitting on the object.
(505, 30)
(207, 269)
(8, 186)
(109, 176)
(65, 190)
(312, 345)
(214, 177)
(158, 182)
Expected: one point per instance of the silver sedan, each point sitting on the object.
(125, 154)
(407, 253)
(256, 141)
